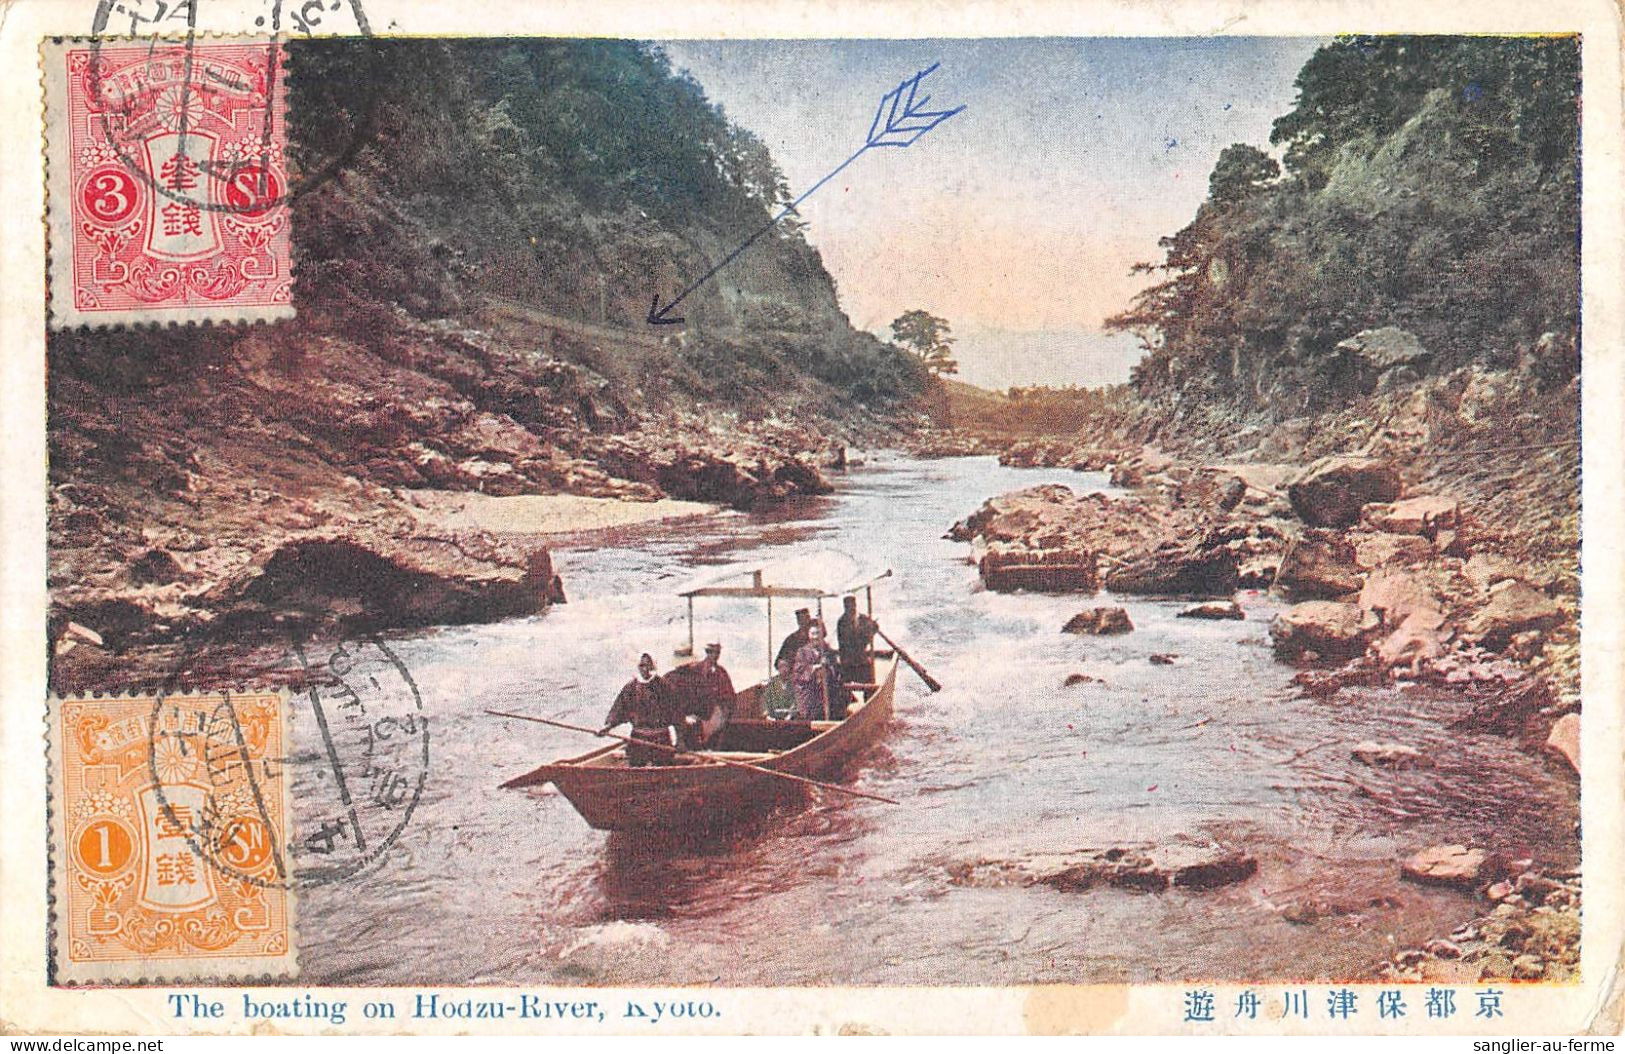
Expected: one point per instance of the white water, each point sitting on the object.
(1004, 764)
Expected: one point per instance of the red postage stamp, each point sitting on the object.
(168, 182)
(169, 819)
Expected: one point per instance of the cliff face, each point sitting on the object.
(581, 179)
(478, 235)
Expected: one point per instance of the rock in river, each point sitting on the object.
(1190, 867)
(1333, 490)
(1445, 865)
(1006, 569)
(1222, 609)
(1100, 622)
(1178, 569)
(411, 581)
(1387, 755)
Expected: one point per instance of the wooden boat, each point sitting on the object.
(703, 791)
(612, 796)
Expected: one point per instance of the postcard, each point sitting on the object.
(751, 519)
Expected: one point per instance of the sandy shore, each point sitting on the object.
(543, 513)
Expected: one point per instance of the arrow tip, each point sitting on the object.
(657, 314)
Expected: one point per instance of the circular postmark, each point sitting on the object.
(353, 767)
(200, 121)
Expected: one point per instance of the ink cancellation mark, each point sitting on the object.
(358, 765)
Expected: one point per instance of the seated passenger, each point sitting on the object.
(778, 699)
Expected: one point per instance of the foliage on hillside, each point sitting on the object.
(1429, 183)
(580, 177)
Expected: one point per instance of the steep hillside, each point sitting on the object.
(1430, 184)
(479, 230)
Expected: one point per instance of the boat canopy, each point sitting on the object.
(815, 577)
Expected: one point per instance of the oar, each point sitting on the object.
(930, 681)
(704, 757)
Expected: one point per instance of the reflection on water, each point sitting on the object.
(1005, 764)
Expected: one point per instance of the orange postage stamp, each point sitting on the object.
(168, 819)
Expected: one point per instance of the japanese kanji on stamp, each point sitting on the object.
(168, 182)
(168, 819)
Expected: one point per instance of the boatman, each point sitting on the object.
(855, 636)
(645, 702)
(797, 637)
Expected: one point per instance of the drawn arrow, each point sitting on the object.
(900, 120)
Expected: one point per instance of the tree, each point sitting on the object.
(926, 336)
(1241, 171)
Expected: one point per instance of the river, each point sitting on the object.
(1006, 763)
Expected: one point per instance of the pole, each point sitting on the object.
(707, 757)
(930, 681)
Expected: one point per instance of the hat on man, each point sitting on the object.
(713, 647)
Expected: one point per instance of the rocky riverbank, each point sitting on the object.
(1405, 589)
(1426, 538)
(238, 485)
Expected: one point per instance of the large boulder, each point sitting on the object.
(1178, 570)
(1133, 470)
(1333, 490)
(1406, 617)
(363, 581)
(1016, 568)
(1376, 549)
(1426, 515)
(1564, 740)
(1514, 607)
(1386, 348)
(1320, 564)
(1329, 629)
(1099, 622)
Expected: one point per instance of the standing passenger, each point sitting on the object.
(797, 637)
(810, 676)
(708, 701)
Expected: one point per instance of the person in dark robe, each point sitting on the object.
(644, 703)
(705, 698)
(797, 637)
(855, 637)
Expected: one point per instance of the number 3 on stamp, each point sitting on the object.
(168, 821)
(168, 182)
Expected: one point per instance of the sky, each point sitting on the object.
(1017, 220)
